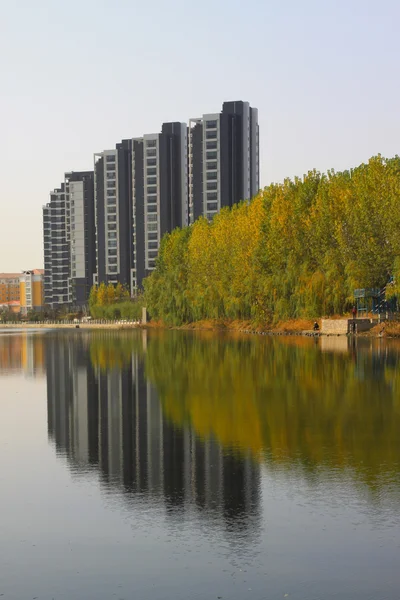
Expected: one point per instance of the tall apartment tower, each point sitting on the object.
(79, 196)
(160, 193)
(56, 249)
(223, 159)
(140, 194)
(113, 214)
(69, 241)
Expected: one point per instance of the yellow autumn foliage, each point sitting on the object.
(298, 249)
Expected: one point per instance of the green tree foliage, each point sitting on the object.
(113, 302)
(298, 249)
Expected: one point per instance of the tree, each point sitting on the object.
(102, 295)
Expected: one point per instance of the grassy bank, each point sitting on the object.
(390, 329)
(291, 326)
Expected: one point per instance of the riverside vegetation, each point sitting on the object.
(297, 250)
(113, 302)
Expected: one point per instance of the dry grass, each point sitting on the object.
(290, 326)
(390, 329)
(295, 325)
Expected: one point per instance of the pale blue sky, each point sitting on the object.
(77, 76)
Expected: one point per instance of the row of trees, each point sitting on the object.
(113, 302)
(298, 249)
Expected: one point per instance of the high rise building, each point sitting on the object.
(81, 235)
(56, 249)
(69, 241)
(140, 194)
(223, 159)
(113, 214)
(160, 200)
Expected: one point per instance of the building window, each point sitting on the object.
(112, 235)
(151, 162)
(212, 205)
(110, 193)
(211, 145)
(211, 175)
(152, 152)
(112, 252)
(211, 124)
(112, 218)
(151, 218)
(151, 143)
(110, 184)
(112, 269)
(111, 167)
(212, 196)
(152, 226)
(112, 260)
(112, 243)
(153, 253)
(152, 181)
(112, 227)
(110, 158)
(151, 171)
(153, 245)
(211, 135)
(210, 216)
(152, 190)
(212, 185)
(153, 236)
(152, 208)
(110, 175)
(210, 166)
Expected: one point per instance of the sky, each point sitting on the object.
(76, 77)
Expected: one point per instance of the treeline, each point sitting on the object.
(113, 302)
(298, 249)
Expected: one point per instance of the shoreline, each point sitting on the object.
(294, 327)
(291, 327)
(70, 326)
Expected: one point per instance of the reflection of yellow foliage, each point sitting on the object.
(280, 399)
(110, 350)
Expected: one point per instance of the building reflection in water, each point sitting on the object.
(112, 420)
(22, 352)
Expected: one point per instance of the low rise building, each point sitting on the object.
(13, 306)
(9, 287)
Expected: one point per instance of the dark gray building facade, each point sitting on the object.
(69, 241)
(140, 194)
(160, 197)
(224, 159)
(113, 214)
(56, 249)
(81, 235)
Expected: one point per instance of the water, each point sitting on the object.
(186, 466)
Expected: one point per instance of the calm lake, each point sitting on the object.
(180, 466)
